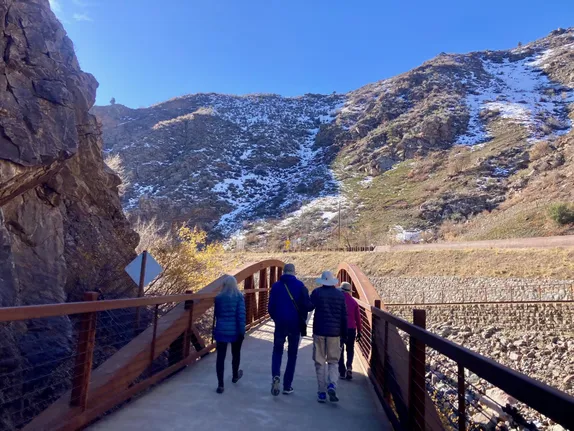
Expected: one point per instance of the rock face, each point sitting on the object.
(62, 229)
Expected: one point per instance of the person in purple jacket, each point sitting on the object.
(353, 333)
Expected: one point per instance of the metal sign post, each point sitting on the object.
(143, 270)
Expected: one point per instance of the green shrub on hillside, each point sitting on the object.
(562, 213)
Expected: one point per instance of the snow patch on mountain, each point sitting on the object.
(291, 126)
(324, 208)
(519, 92)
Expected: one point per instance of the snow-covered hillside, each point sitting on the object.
(519, 92)
(245, 163)
(246, 157)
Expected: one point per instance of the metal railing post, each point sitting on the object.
(374, 347)
(248, 284)
(84, 356)
(187, 336)
(461, 399)
(154, 335)
(417, 384)
(263, 295)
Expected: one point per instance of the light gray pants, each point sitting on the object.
(326, 353)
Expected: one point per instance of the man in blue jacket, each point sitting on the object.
(288, 306)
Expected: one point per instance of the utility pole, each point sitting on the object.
(339, 223)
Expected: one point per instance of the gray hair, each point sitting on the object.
(289, 268)
(230, 287)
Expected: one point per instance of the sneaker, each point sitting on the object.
(288, 391)
(332, 391)
(342, 376)
(219, 390)
(275, 386)
(239, 375)
(322, 397)
(349, 375)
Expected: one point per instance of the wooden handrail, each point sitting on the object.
(114, 381)
(10, 314)
(549, 401)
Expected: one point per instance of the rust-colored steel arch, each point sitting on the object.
(384, 353)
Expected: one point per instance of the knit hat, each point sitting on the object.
(346, 287)
(327, 279)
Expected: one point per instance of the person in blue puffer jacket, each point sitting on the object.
(229, 328)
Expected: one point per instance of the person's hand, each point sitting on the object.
(358, 337)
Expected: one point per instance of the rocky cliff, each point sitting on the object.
(62, 229)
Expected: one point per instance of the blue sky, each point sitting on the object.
(143, 51)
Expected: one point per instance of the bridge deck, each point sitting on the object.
(189, 398)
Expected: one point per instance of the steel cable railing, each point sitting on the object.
(102, 356)
(439, 394)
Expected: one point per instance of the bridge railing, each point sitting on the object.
(428, 382)
(64, 365)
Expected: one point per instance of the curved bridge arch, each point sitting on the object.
(395, 359)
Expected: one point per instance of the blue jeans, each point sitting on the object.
(293, 347)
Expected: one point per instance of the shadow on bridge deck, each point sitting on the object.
(189, 399)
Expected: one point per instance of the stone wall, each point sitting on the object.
(510, 317)
(406, 290)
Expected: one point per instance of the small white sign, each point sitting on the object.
(152, 269)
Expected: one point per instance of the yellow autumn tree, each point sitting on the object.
(190, 262)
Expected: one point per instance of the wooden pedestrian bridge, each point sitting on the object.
(157, 371)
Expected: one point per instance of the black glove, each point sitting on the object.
(358, 338)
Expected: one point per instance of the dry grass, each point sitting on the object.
(531, 263)
(459, 161)
(539, 150)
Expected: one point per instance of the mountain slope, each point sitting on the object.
(441, 143)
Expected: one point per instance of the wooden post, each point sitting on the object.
(248, 284)
(375, 354)
(417, 384)
(461, 400)
(84, 356)
(187, 336)
(386, 370)
(263, 295)
(279, 272)
(155, 317)
(141, 289)
(272, 275)
(180, 347)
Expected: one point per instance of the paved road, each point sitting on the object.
(565, 241)
(188, 400)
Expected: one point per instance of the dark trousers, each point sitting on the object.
(235, 358)
(278, 342)
(349, 343)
